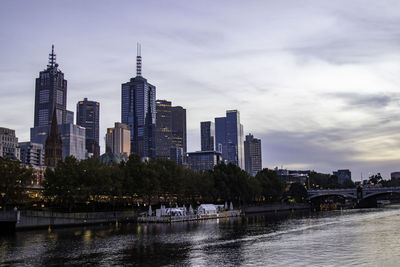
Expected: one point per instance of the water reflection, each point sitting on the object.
(332, 238)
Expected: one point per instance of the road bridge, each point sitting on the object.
(359, 193)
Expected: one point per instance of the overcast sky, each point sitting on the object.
(317, 81)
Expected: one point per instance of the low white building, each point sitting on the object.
(207, 209)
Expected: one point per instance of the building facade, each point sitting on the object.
(73, 140)
(138, 111)
(179, 128)
(118, 140)
(88, 116)
(229, 138)
(207, 129)
(8, 144)
(163, 129)
(342, 175)
(50, 94)
(31, 154)
(203, 160)
(252, 155)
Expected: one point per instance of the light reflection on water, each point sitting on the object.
(338, 238)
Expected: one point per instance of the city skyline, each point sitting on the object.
(316, 83)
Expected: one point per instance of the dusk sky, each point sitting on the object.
(317, 81)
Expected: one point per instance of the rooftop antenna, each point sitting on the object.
(52, 58)
(139, 60)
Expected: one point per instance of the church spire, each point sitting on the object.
(139, 60)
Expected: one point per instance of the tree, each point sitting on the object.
(13, 179)
(271, 185)
(298, 192)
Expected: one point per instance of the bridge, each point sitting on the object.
(354, 193)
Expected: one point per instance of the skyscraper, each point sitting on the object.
(163, 129)
(170, 131)
(87, 115)
(179, 128)
(50, 94)
(138, 110)
(207, 136)
(252, 155)
(229, 138)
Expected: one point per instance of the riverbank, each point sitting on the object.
(47, 219)
(26, 220)
(275, 208)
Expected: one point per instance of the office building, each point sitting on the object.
(229, 138)
(73, 140)
(118, 140)
(170, 130)
(31, 154)
(252, 155)
(50, 94)
(207, 136)
(70, 117)
(88, 116)
(178, 115)
(8, 144)
(342, 175)
(163, 129)
(203, 160)
(138, 111)
(177, 155)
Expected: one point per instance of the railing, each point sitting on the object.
(8, 216)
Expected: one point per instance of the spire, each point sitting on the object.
(54, 124)
(139, 60)
(52, 59)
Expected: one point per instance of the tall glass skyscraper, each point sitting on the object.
(88, 116)
(138, 110)
(50, 94)
(229, 138)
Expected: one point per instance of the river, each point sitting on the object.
(368, 237)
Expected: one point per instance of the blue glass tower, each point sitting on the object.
(229, 138)
(138, 110)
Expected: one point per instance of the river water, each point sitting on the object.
(337, 238)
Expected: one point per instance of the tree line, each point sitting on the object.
(89, 184)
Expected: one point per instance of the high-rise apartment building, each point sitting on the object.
(138, 110)
(229, 138)
(31, 154)
(252, 155)
(207, 136)
(50, 94)
(118, 140)
(8, 144)
(88, 116)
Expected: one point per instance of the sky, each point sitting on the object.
(317, 81)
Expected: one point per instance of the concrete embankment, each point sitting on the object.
(45, 219)
(275, 208)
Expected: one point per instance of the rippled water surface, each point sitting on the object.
(338, 238)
